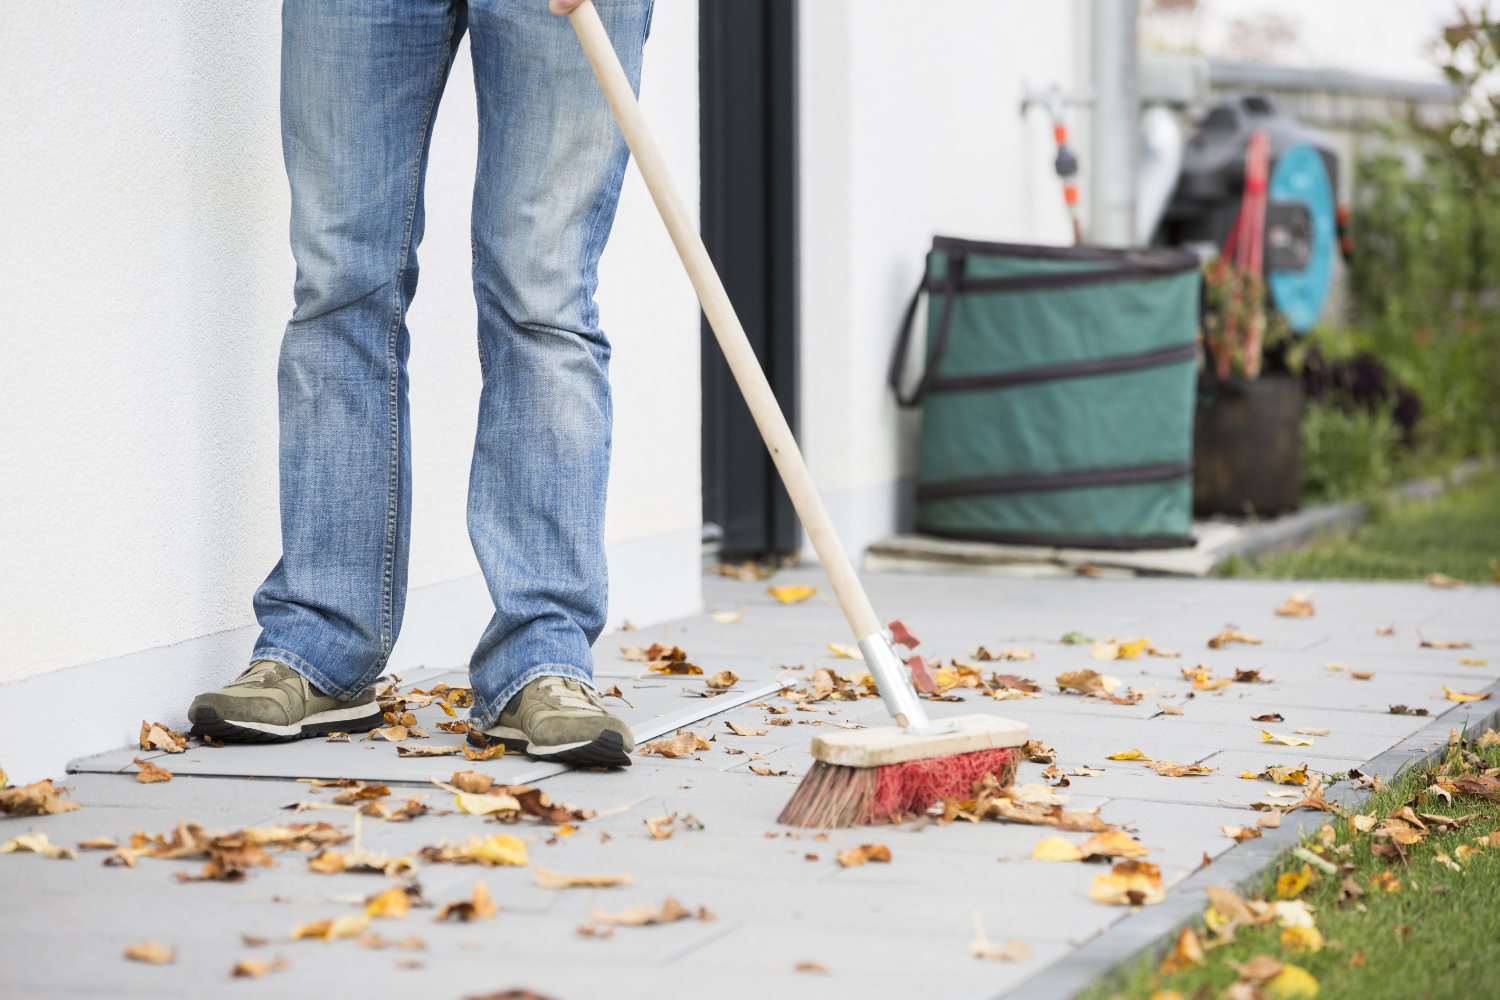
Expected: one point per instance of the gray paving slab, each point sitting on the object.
(879, 930)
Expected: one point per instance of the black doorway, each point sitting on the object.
(747, 87)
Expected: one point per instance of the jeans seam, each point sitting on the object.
(492, 708)
(393, 394)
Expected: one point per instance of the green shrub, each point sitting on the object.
(1348, 452)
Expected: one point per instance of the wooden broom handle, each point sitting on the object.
(726, 325)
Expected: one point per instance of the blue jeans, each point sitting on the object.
(360, 84)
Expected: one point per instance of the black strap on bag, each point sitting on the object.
(940, 337)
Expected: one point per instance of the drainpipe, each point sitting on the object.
(1116, 110)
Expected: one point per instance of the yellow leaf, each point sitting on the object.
(1134, 648)
(1464, 695)
(1301, 939)
(1113, 843)
(391, 903)
(847, 652)
(1289, 885)
(37, 843)
(1292, 983)
(856, 856)
(1291, 741)
(792, 593)
(1252, 775)
(725, 617)
(485, 805)
(1128, 755)
(352, 925)
(1056, 849)
(150, 951)
(1129, 883)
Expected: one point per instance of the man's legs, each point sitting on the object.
(551, 161)
(361, 80)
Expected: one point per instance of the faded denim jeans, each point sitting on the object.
(360, 86)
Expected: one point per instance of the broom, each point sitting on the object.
(863, 775)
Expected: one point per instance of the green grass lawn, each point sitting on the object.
(1457, 534)
(1419, 930)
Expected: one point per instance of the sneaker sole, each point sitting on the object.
(354, 719)
(513, 739)
(606, 750)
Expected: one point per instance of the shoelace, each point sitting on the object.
(260, 676)
(567, 697)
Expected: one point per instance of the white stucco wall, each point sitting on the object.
(147, 281)
(910, 127)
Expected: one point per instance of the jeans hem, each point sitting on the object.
(494, 706)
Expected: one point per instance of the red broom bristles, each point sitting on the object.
(836, 796)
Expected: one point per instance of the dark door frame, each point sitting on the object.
(748, 159)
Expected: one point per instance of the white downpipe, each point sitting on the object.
(1161, 162)
(1116, 104)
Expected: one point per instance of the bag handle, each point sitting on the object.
(940, 338)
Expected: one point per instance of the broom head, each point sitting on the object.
(867, 775)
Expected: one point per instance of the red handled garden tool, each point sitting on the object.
(861, 775)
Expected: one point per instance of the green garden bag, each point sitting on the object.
(1058, 394)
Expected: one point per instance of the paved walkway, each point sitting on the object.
(897, 929)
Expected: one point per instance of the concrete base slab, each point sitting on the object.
(775, 907)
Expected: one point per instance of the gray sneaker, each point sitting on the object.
(271, 703)
(562, 719)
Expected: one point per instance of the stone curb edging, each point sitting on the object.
(1153, 929)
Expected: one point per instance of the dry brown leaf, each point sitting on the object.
(1169, 709)
(251, 968)
(150, 773)
(1362, 675)
(430, 751)
(1035, 752)
(1446, 644)
(1187, 953)
(155, 736)
(613, 691)
(856, 856)
(1312, 732)
(1129, 883)
(1087, 682)
(151, 951)
(1232, 635)
(1012, 951)
(1172, 769)
(37, 843)
(740, 730)
(1268, 717)
(1296, 606)
(499, 849)
(766, 772)
(639, 916)
(360, 792)
(684, 744)
(557, 880)
(1241, 833)
(480, 905)
(723, 680)
(391, 734)
(472, 782)
(1443, 580)
(40, 798)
